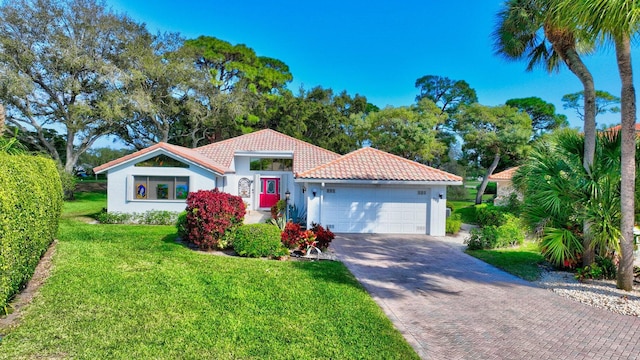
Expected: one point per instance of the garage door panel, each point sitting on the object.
(375, 210)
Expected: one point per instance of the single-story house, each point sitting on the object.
(504, 186)
(365, 191)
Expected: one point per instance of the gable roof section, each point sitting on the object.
(305, 156)
(376, 165)
(176, 150)
(504, 175)
(617, 128)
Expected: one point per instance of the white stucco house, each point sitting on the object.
(504, 186)
(365, 191)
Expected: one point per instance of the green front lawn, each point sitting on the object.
(132, 292)
(521, 261)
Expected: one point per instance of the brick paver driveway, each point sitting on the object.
(449, 305)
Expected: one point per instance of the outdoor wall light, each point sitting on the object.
(304, 189)
(287, 195)
(441, 195)
(314, 191)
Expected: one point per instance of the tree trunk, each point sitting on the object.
(627, 184)
(485, 181)
(2, 120)
(564, 44)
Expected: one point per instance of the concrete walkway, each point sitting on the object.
(449, 305)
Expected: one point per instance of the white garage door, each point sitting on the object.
(375, 209)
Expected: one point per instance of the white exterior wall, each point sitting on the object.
(121, 195)
(313, 203)
(241, 164)
(504, 189)
(437, 211)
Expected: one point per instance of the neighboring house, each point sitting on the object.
(365, 191)
(504, 186)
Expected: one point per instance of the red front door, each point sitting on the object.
(269, 192)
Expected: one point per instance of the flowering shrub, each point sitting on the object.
(210, 213)
(323, 236)
(291, 235)
(294, 237)
(307, 238)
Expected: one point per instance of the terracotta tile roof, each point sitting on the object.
(504, 175)
(305, 156)
(180, 151)
(372, 164)
(618, 127)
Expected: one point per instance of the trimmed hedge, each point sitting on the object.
(30, 207)
(258, 240)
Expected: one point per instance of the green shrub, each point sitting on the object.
(453, 224)
(602, 268)
(30, 207)
(457, 193)
(450, 206)
(181, 224)
(491, 189)
(113, 217)
(257, 240)
(490, 216)
(513, 205)
(511, 232)
(482, 238)
(151, 217)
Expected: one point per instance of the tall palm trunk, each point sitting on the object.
(627, 186)
(564, 44)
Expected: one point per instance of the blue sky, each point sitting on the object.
(377, 48)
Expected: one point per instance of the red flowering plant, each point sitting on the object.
(307, 238)
(323, 236)
(295, 238)
(210, 214)
(291, 235)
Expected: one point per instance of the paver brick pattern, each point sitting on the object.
(449, 305)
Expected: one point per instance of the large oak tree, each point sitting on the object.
(60, 69)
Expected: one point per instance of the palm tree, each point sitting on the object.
(560, 194)
(525, 28)
(615, 21)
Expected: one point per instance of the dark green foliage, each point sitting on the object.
(457, 193)
(543, 114)
(500, 230)
(491, 189)
(559, 195)
(513, 204)
(257, 240)
(450, 206)
(603, 268)
(30, 206)
(482, 238)
(453, 224)
(490, 216)
(181, 224)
